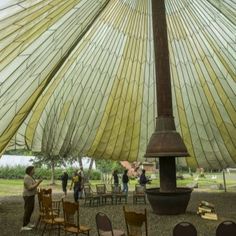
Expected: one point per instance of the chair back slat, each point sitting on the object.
(140, 189)
(40, 200)
(42, 192)
(47, 207)
(116, 189)
(47, 191)
(101, 188)
(88, 191)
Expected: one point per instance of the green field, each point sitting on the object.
(211, 182)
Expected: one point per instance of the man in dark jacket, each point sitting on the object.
(125, 180)
(143, 179)
(116, 178)
(64, 180)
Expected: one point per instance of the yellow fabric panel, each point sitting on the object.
(184, 129)
(116, 127)
(39, 90)
(18, 119)
(31, 30)
(77, 78)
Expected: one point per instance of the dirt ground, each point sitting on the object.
(11, 211)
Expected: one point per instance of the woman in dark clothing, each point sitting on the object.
(64, 180)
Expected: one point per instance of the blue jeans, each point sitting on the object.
(76, 194)
(125, 188)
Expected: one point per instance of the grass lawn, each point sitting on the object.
(10, 187)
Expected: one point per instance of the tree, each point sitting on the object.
(107, 166)
(80, 162)
(50, 161)
(90, 167)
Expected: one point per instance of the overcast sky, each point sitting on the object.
(12, 160)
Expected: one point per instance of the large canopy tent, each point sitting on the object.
(77, 77)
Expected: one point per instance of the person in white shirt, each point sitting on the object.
(30, 190)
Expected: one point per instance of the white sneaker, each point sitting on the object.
(31, 225)
(24, 228)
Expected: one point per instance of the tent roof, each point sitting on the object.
(77, 77)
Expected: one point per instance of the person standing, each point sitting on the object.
(143, 179)
(125, 180)
(82, 181)
(64, 180)
(80, 185)
(116, 179)
(76, 184)
(30, 190)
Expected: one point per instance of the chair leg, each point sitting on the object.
(59, 229)
(50, 229)
(39, 219)
(44, 229)
(40, 222)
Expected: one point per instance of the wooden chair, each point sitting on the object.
(226, 228)
(90, 196)
(41, 212)
(134, 223)
(102, 191)
(117, 193)
(139, 194)
(71, 219)
(104, 226)
(49, 217)
(55, 204)
(184, 229)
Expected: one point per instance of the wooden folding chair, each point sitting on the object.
(102, 191)
(134, 223)
(117, 193)
(71, 219)
(139, 194)
(41, 212)
(49, 217)
(55, 204)
(90, 196)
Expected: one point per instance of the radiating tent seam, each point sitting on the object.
(201, 41)
(189, 95)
